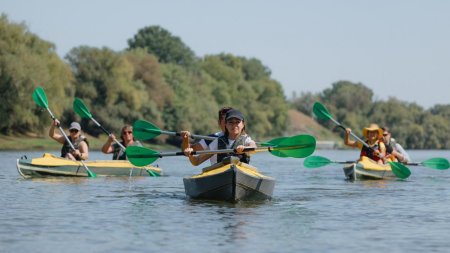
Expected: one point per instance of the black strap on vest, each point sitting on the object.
(222, 144)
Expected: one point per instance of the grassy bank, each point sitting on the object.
(46, 143)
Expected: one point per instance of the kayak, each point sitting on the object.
(231, 181)
(51, 165)
(367, 168)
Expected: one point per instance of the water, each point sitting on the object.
(312, 210)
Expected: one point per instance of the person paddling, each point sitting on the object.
(395, 152)
(234, 137)
(78, 140)
(376, 150)
(127, 140)
(204, 144)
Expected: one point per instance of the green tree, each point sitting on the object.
(26, 61)
(167, 47)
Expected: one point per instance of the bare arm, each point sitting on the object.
(55, 136)
(187, 148)
(107, 147)
(347, 140)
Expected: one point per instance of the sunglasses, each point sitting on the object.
(73, 131)
(386, 134)
(127, 132)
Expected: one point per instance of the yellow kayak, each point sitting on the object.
(51, 165)
(367, 168)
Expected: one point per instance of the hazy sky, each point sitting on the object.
(395, 47)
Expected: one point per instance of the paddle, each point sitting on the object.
(41, 100)
(434, 163)
(298, 146)
(81, 109)
(321, 112)
(144, 130)
(319, 161)
(312, 162)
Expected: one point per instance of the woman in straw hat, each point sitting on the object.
(376, 150)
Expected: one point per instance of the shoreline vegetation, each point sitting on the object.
(36, 143)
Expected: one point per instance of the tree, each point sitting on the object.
(165, 46)
(26, 61)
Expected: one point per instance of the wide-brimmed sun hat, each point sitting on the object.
(372, 127)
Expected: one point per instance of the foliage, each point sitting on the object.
(161, 43)
(353, 105)
(26, 61)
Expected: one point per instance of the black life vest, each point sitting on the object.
(365, 151)
(222, 144)
(76, 144)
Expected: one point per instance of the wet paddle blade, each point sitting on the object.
(298, 146)
(400, 170)
(90, 173)
(144, 130)
(275, 142)
(40, 98)
(140, 156)
(81, 109)
(437, 163)
(312, 162)
(321, 111)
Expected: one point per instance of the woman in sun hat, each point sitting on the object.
(372, 134)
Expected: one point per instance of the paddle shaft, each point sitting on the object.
(193, 136)
(108, 133)
(222, 151)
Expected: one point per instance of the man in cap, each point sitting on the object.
(79, 142)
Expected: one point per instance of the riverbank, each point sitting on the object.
(24, 142)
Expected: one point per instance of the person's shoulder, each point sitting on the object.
(137, 143)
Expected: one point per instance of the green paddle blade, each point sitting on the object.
(312, 162)
(298, 146)
(321, 111)
(437, 163)
(40, 98)
(400, 170)
(275, 142)
(90, 173)
(140, 156)
(144, 130)
(81, 109)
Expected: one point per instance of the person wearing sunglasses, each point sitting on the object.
(78, 140)
(127, 138)
(395, 152)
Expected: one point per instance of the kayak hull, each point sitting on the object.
(52, 166)
(367, 169)
(231, 181)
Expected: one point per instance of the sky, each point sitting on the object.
(396, 48)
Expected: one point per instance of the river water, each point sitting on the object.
(312, 210)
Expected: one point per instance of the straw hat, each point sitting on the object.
(372, 127)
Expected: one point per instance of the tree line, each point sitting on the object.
(158, 78)
(354, 106)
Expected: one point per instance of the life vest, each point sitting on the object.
(368, 151)
(213, 135)
(66, 148)
(222, 144)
